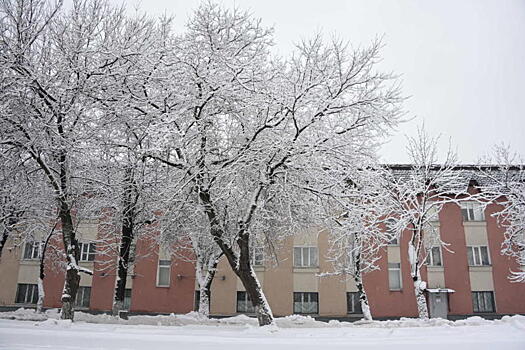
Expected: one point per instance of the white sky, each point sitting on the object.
(462, 62)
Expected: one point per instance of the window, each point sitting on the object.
(483, 302)
(127, 298)
(87, 251)
(305, 257)
(394, 276)
(244, 303)
(391, 232)
(83, 297)
(434, 257)
(305, 303)
(31, 251)
(163, 273)
(26, 294)
(353, 304)
(472, 211)
(478, 256)
(258, 256)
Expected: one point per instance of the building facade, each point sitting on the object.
(467, 277)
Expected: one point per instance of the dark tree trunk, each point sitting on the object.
(72, 257)
(128, 216)
(41, 276)
(3, 240)
(240, 263)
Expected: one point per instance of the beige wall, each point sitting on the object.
(436, 276)
(481, 278)
(476, 233)
(9, 273)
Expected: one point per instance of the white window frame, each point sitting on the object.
(302, 261)
(247, 306)
(476, 296)
(87, 251)
(82, 290)
(163, 264)
(35, 250)
(477, 258)
(430, 257)
(392, 268)
(302, 296)
(472, 211)
(258, 256)
(394, 242)
(30, 294)
(353, 307)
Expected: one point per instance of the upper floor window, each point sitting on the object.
(483, 302)
(163, 273)
(434, 257)
(87, 251)
(478, 256)
(244, 303)
(305, 257)
(472, 211)
(258, 256)
(306, 303)
(394, 239)
(31, 251)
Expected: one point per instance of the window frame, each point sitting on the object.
(469, 210)
(355, 304)
(35, 251)
(309, 249)
(30, 294)
(166, 264)
(477, 256)
(430, 257)
(128, 292)
(302, 295)
(394, 242)
(81, 297)
(90, 251)
(477, 296)
(258, 256)
(243, 296)
(398, 269)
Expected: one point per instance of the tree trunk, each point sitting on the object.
(72, 279)
(204, 299)
(128, 214)
(363, 298)
(41, 291)
(421, 300)
(3, 240)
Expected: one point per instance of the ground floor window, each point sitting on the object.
(127, 298)
(83, 297)
(305, 303)
(483, 302)
(353, 304)
(244, 303)
(26, 293)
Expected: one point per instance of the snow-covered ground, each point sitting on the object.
(192, 332)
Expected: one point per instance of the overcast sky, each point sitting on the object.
(462, 63)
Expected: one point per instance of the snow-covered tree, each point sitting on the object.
(418, 193)
(504, 184)
(358, 235)
(254, 132)
(50, 58)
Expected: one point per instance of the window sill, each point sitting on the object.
(162, 286)
(306, 269)
(480, 268)
(435, 268)
(481, 223)
(259, 268)
(396, 290)
(32, 262)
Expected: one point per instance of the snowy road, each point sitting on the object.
(16, 335)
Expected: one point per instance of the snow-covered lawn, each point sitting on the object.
(294, 332)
